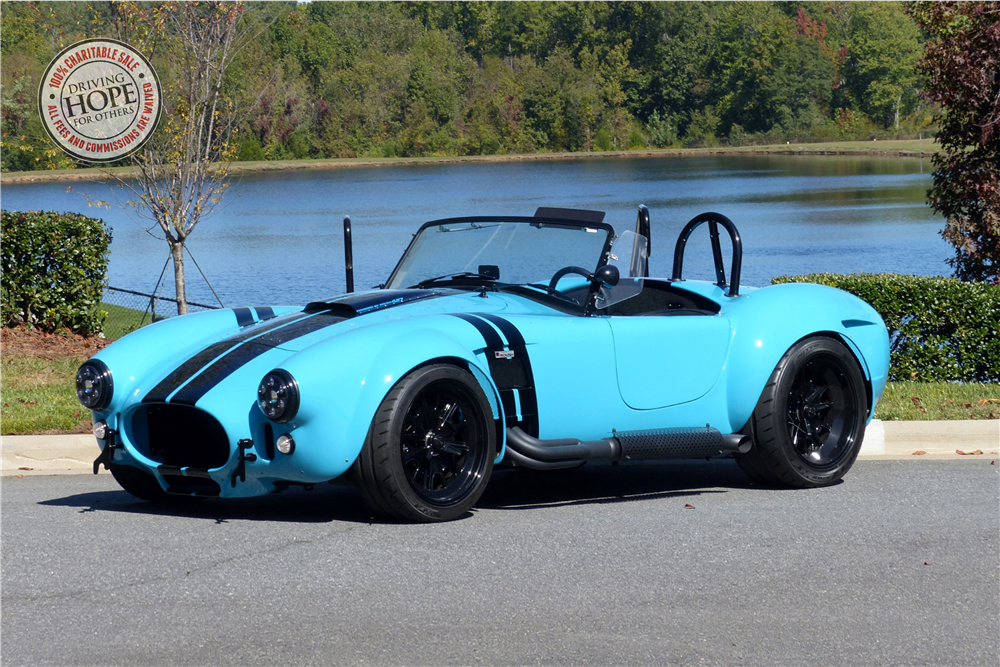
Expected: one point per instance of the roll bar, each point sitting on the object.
(713, 220)
(642, 229)
(348, 254)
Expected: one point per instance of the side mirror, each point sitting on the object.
(607, 275)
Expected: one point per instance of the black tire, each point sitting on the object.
(144, 486)
(809, 423)
(429, 452)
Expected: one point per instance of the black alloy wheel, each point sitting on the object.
(822, 413)
(443, 443)
(429, 453)
(809, 422)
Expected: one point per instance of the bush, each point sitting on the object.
(636, 139)
(701, 129)
(250, 149)
(662, 130)
(54, 270)
(939, 328)
(602, 139)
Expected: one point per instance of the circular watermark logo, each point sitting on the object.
(99, 100)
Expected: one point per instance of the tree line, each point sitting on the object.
(333, 80)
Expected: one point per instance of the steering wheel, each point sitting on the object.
(566, 270)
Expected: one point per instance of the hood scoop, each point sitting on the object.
(362, 303)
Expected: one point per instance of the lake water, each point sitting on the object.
(277, 237)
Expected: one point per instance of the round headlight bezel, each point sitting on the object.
(99, 375)
(282, 383)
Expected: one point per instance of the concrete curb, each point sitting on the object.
(47, 454)
(900, 439)
(75, 454)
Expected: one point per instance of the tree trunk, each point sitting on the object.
(899, 102)
(177, 254)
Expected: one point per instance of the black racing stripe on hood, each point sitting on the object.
(179, 375)
(183, 373)
(241, 355)
(350, 305)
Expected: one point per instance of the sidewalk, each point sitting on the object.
(75, 454)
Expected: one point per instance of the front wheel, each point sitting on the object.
(429, 453)
(809, 423)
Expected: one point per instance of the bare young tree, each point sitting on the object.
(181, 175)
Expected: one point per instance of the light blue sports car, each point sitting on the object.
(539, 342)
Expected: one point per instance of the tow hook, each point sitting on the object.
(241, 460)
(107, 454)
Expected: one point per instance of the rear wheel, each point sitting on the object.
(809, 423)
(429, 453)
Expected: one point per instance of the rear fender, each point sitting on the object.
(768, 322)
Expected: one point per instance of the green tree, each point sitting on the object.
(616, 76)
(562, 103)
(702, 128)
(752, 38)
(25, 51)
(881, 48)
(341, 79)
(494, 119)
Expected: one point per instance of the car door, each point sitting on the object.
(664, 360)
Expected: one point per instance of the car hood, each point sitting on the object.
(365, 309)
(188, 378)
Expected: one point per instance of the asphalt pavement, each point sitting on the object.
(636, 564)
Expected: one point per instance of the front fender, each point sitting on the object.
(138, 360)
(343, 380)
(768, 322)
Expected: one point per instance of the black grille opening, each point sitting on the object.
(179, 435)
(187, 486)
(269, 441)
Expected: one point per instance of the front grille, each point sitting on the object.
(191, 486)
(179, 435)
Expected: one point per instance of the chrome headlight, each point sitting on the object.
(278, 396)
(93, 385)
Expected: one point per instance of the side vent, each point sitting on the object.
(269, 441)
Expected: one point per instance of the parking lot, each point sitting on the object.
(662, 563)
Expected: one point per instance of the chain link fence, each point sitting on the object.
(128, 310)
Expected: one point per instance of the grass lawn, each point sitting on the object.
(939, 400)
(39, 396)
(122, 320)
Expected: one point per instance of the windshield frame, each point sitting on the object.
(550, 222)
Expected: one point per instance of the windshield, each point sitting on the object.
(519, 252)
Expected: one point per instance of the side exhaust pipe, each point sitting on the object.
(736, 442)
(651, 445)
(568, 449)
